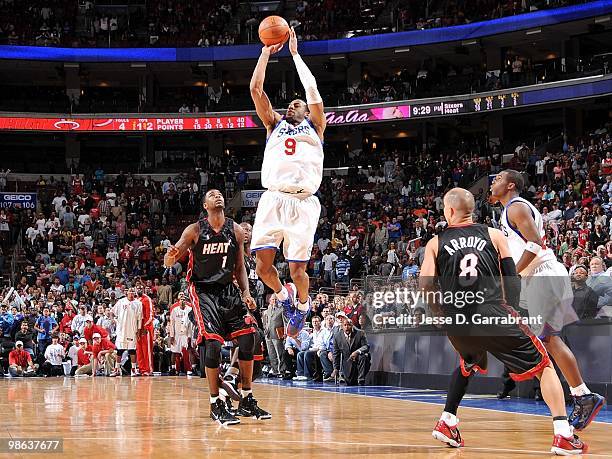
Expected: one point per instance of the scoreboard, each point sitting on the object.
(480, 103)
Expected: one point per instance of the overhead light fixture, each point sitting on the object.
(205, 64)
(602, 19)
(138, 66)
(71, 65)
(533, 31)
(402, 50)
(273, 61)
(336, 58)
(469, 42)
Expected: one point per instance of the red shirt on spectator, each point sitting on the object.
(89, 331)
(65, 325)
(92, 285)
(99, 260)
(125, 255)
(104, 345)
(583, 237)
(82, 357)
(353, 313)
(20, 358)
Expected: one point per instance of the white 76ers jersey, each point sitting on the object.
(293, 159)
(517, 243)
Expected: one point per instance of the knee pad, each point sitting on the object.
(246, 343)
(212, 359)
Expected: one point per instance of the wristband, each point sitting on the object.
(533, 247)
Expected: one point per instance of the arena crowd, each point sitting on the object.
(93, 238)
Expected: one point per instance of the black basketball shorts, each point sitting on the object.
(515, 346)
(220, 312)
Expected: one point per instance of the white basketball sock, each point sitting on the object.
(283, 294)
(449, 418)
(582, 389)
(303, 306)
(562, 428)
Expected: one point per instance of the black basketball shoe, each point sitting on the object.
(220, 413)
(248, 409)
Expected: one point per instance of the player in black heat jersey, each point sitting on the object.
(467, 261)
(230, 381)
(216, 258)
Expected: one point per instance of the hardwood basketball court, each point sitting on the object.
(169, 417)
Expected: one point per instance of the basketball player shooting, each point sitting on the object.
(292, 171)
(471, 258)
(216, 257)
(548, 291)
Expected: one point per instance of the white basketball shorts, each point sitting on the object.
(125, 343)
(546, 292)
(289, 218)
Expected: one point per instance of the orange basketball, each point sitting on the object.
(273, 30)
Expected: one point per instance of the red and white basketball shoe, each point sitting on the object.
(568, 446)
(448, 434)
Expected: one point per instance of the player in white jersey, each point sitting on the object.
(128, 315)
(546, 288)
(292, 171)
(181, 331)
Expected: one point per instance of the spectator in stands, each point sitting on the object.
(79, 321)
(103, 353)
(7, 322)
(273, 329)
(84, 359)
(293, 346)
(351, 353)
(343, 267)
(329, 266)
(164, 293)
(410, 269)
(46, 326)
(325, 345)
(54, 356)
(600, 282)
(92, 329)
(585, 301)
(26, 336)
(20, 362)
(354, 308)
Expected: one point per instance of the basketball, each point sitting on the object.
(273, 30)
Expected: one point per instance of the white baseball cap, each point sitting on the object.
(88, 318)
(19, 343)
(97, 335)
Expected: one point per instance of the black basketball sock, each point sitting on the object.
(456, 391)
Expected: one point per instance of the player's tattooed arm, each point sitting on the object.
(262, 103)
(519, 215)
(240, 273)
(177, 251)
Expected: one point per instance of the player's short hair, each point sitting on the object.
(304, 102)
(515, 177)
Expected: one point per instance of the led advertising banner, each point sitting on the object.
(178, 123)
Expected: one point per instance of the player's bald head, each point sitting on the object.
(460, 200)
